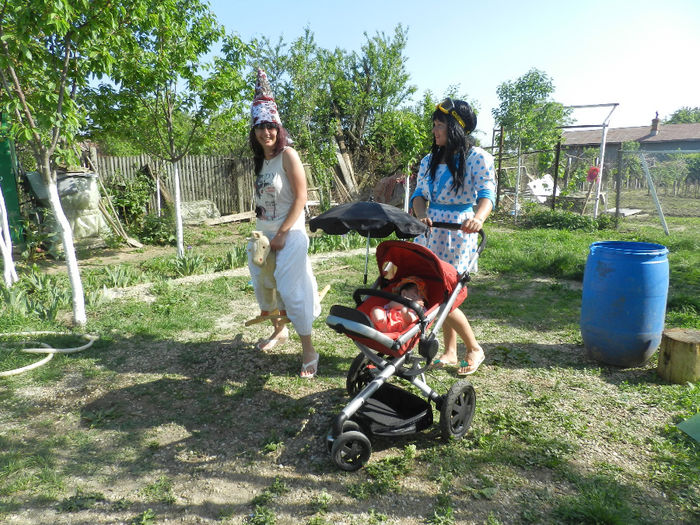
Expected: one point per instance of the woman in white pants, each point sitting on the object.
(280, 199)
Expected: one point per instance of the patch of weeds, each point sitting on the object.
(262, 514)
(158, 230)
(291, 409)
(80, 501)
(487, 489)
(121, 504)
(147, 517)
(236, 258)
(121, 276)
(384, 475)
(443, 513)
(158, 267)
(100, 417)
(272, 444)
(319, 520)
(226, 513)
(160, 491)
(321, 501)
(376, 517)
(190, 263)
(597, 500)
(492, 520)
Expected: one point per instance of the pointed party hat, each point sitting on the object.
(264, 108)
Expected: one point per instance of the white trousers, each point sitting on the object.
(297, 291)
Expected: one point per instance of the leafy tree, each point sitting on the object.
(671, 170)
(168, 95)
(395, 140)
(684, 115)
(693, 170)
(299, 75)
(529, 115)
(48, 51)
(369, 85)
(333, 102)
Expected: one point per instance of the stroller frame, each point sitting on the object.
(381, 408)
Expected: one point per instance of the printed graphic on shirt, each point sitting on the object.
(267, 188)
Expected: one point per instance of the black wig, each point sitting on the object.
(459, 142)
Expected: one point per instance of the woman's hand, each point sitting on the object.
(278, 241)
(472, 225)
(426, 221)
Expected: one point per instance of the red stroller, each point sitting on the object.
(379, 408)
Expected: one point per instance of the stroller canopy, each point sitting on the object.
(413, 259)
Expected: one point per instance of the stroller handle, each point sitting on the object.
(452, 226)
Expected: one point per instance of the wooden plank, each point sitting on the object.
(236, 217)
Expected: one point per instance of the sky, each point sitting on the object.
(640, 54)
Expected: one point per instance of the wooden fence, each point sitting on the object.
(226, 181)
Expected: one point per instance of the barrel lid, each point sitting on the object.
(630, 247)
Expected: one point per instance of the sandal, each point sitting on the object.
(442, 363)
(473, 366)
(271, 342)
(311, 364)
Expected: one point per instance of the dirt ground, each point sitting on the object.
(216, 467)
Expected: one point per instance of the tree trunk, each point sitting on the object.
(679, 358)
(9, 273)
(79, 317)
(178, 212)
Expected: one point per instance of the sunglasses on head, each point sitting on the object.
(447, 106)
(266, 125)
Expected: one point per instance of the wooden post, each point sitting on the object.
(679, 358)
(498, 174)
(556, 173)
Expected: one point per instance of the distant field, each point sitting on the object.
(670, 205)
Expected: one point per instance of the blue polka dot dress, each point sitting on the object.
(446, 205)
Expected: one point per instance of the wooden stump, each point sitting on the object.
(679, 358)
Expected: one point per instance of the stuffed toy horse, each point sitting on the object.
(261, 255)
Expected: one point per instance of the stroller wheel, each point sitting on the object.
(359, 375)
(351, 450)
(348, 426)
(457, 410)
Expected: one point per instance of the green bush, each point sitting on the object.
(130, 195)
(566, 220)
(158, 230)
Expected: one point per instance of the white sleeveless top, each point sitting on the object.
(274, 197)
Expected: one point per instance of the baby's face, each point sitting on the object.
(411, 292)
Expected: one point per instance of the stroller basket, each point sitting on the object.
(392, 411)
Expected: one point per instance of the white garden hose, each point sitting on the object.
(47, 349)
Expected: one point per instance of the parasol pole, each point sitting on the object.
(367, 257)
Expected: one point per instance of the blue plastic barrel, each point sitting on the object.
(625, 286)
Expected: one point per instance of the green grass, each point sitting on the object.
(174, 399)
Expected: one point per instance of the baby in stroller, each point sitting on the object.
(394, 316)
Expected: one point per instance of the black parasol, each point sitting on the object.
(370, 219)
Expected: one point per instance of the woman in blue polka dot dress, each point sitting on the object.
(456, 184)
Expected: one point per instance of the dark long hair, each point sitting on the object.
(455, 151)
(258, 152)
